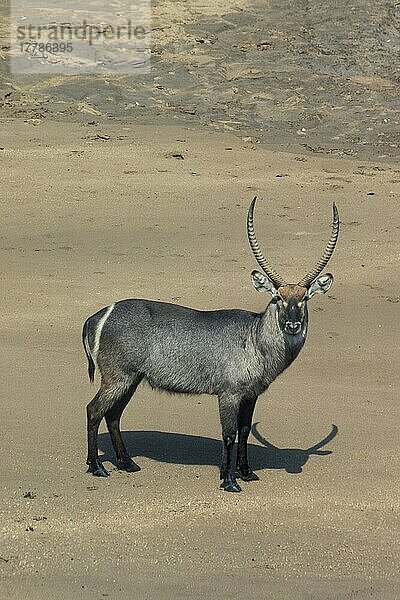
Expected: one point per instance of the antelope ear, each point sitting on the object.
(320, 285)
(262, 283)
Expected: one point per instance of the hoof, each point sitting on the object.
(230, 485)
(248, 475)
(96, 468)
(128, 465)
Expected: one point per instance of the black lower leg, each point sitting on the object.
(228, 416)
(94, 465)
(113, 418)
(229, 483)
(246, 411)
(96, 409)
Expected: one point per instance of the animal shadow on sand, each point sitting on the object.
(185, 449)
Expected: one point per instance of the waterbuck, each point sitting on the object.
(233, 354)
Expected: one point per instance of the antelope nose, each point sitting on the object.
(292, 327)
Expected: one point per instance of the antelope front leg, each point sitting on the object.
(245, 418)
(228, 412)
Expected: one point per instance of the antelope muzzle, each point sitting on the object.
(293, 317)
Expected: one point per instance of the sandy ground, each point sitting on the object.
(139, 187)
(87, 220)
(293, 75)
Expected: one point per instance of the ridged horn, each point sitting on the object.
(274, 277)
(321, 264)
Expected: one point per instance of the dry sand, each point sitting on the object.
(87, 221)
(139, 188)
(298, 76)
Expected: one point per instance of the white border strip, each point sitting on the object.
(99, 329)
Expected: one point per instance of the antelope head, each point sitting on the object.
(291, 298)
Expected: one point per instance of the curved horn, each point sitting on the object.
(321, 264)
(274, 277)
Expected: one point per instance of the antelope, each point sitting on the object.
(233, 354)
